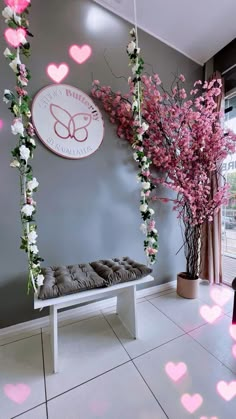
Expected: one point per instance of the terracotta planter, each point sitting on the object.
(186, 287)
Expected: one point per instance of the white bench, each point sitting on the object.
(126, 307)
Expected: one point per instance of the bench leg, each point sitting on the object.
(54, 336)
(126, 309)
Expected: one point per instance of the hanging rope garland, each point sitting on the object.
(140, 133)
(16, 17)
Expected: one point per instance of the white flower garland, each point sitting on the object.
(17, 20)
(140, 132)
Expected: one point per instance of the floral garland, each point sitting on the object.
(140, 134)
(15, 15)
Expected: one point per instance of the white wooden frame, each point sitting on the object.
(126, 308)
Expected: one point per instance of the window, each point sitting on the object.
(229, 212)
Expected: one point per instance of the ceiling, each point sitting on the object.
(198, 29)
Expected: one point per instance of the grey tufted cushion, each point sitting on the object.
(64, 280)
(115, 271)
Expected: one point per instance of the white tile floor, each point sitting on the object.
(172, 371)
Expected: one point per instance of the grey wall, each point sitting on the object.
(87, 209)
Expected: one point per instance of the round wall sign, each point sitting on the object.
(67, 121)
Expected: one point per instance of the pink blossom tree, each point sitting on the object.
(185, 142)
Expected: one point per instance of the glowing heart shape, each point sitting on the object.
(18, 393)
(15, 36)
(234, 351)
(175, 371)
(80, 54)
(221, 296)
(232, 331)
(1, 123)
(191, 403)
(206, 417)
(227, 390)
(57, 73)
(210, 314)
(18, 5)
(99, 408)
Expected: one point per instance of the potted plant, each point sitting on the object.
(186, 143)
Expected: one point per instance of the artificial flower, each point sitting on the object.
(30, 130)
(7, 13)
(135, 155)
(135, 68)
(143, 207)
(131, 47)
(40, 280)
(32, 185)
(32, 141)
(16, 109)
(145, 126)
(146, 185)
(32, 237)
(17, 127)
(24, 152)
(27, 210)
(20, 91)
(17, 19)
(151, 251)
(15, 163)
(14, 64)
(34, 249)
(151, 211)
(7, 52)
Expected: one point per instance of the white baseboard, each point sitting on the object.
(78, 313)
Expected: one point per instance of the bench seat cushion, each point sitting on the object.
(65, 280)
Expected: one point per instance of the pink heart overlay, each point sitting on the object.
(232, 331)
(57, 73)
(176, 371)
(220, 296)
(191, 403)
(1, 123)
(18, 393)
(210, 314)
(234, 351)
(227, 390)
(80, 54)
(15, 36)
(99, 407)
(206, 417)
(18, 5)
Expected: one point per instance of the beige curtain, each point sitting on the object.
(211, 240)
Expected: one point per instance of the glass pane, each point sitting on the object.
(229, 212)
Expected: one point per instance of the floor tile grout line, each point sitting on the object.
(159, 404)
(189, 331)
(29, 410)
(116, 336)
(207, 350)
(88, 381)
(146, 352)
(44, 373)
(167, 317)
(157, 347)
(17, 340)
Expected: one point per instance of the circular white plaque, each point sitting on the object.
(67, 121)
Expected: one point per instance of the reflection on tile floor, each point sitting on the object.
(182, 365)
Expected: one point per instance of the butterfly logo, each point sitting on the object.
(70, 126)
